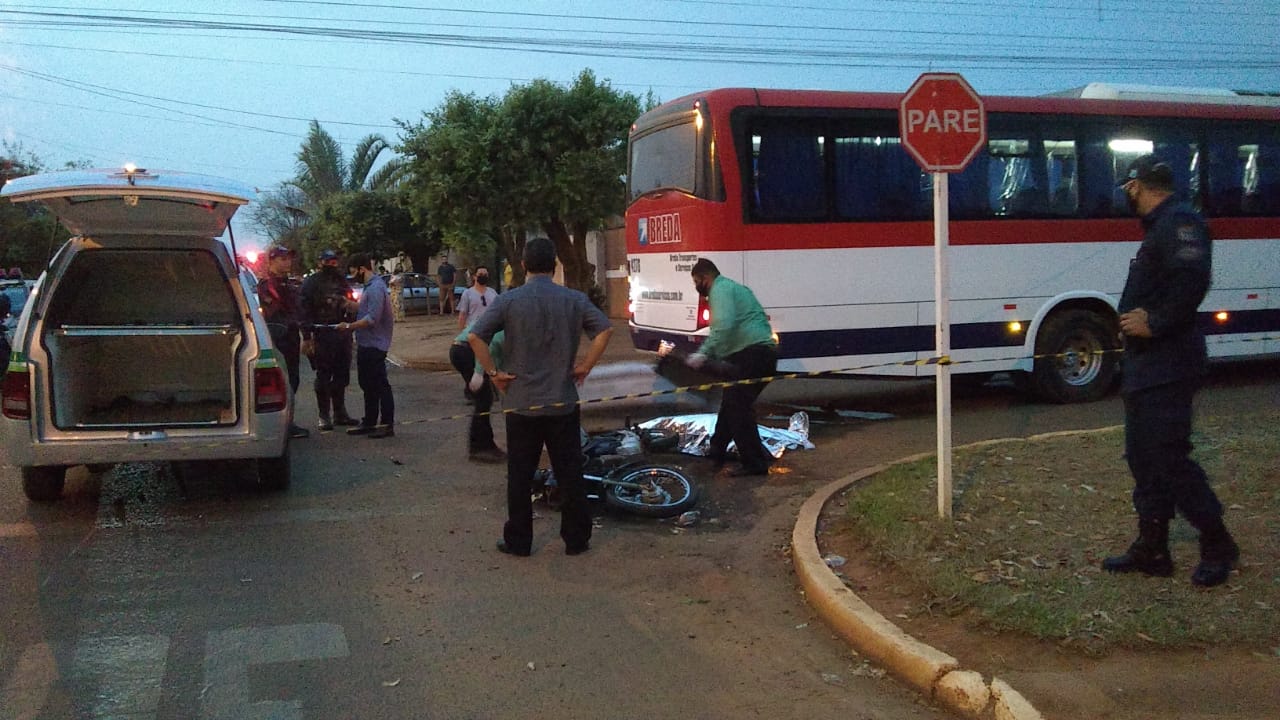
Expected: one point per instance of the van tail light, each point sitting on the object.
(704, 313)
(17, 395)
(270, 391)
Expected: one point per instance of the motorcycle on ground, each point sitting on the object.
(617, 470)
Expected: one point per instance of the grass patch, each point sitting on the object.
(1034, 518)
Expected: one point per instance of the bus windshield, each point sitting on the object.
(665, 159)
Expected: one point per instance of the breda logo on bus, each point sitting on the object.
(659, 229)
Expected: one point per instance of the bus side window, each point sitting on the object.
(789, 174)
(877, 180)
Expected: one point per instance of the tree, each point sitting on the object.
(571, 145)
(545, 157)
(460, 178)
(289, 214)
(377, 223)
(30, 233)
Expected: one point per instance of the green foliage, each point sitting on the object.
(1034, 518)
(30, 233)
(545, 156)
(377, 223)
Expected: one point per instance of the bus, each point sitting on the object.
(810, 199)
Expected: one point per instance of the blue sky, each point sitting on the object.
(227, 88)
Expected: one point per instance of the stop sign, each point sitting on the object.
(942, 121)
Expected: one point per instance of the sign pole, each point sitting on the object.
(942, 336)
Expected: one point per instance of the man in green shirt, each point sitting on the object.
(741, 336)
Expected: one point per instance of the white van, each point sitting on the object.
(142, 340)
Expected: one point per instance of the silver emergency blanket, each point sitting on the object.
(695, 433)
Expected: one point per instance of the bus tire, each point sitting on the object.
(1076, 357)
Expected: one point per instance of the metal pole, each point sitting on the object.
(942, 303)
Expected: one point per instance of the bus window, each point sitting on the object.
(875, 179)
(1243, 174)
(666, 159)
(788, 172)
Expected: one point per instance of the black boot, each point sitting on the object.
(1149, 554)
(1218, 555)
(340, 416)
(322, 403)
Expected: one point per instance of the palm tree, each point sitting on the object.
(323, 172)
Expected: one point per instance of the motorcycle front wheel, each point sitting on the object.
(664, 491)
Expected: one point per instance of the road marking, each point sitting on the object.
(129, 671)
(230, 653)
(25, 693)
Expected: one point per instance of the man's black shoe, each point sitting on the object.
(325, 424)
(1216, 563)
(362, 429)
(577, 549)
(502, 548)
(298, 432)
(1143, 559)
(382, 431)
(345, 421)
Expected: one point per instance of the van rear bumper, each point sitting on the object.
(269, 440)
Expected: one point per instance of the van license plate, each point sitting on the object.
(147, 435)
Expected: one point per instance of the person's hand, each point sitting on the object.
(1135, 323)
(477, 382)
(665, 348)
(696, 361)
(309, 348)
(502, 380)
(580, 373)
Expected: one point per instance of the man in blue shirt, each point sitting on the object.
(372, 329)
(544, 323)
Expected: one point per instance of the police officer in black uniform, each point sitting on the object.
(1164, 362)
(325, 303)
(283, 312)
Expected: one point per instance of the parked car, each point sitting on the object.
(17, 291)
(421, 293)
(144, 341)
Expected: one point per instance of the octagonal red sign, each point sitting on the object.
(942, 121)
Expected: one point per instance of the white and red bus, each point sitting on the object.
(809, 198)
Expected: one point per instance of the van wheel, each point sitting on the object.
(1076, 357)
(43, 484)
(274, 474)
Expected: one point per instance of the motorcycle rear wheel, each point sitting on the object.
(669, 491)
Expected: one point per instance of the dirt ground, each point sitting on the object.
(1220, 682)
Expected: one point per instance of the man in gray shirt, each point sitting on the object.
(544, 323)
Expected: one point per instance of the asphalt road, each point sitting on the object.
(372, 589)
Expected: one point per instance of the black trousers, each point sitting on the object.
(1157, 445)
(371, 372)
(480, 436)
(737, 418)
(526, 436)
(332, 361)
(288, 342)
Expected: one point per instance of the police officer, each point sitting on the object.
(1164, 361)
(282, 311)
(324, 303)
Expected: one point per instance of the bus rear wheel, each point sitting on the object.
(1076, 357)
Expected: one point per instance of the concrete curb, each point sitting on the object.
(931, 672)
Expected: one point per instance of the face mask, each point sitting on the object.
(482, 279)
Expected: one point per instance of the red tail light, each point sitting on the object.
(17, 395)
(270, 391)
(704, 313)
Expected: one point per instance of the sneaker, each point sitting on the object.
(361, 430)
(298, 432)
(345, 421)
(325, 424)
(491, 455)
(382, 431)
